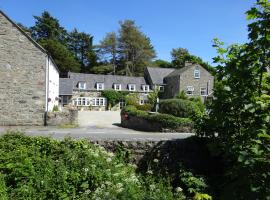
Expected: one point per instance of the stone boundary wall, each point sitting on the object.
(171, 155)
(141, 124)
(64, 117)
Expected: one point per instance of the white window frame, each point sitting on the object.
(82, 85)
(143, 100)
(203, 89)
(89, 101)
(131, 87)
(197, 74)
(190, 89)
(161, 88)
(117, 86)
(145, 88)
(100, 84)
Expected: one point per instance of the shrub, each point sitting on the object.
(43, 168)
(132, 99)
(166, 121)
(113, 97)
(180, 108)
(145, 107)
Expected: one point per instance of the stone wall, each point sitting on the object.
(65, 117)
(22, 77)
(171, 155)
(138, 123)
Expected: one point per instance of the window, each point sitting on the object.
(203, 91)
(143, 99)
(196, 73)
(117, 87)
(145, 88)
(131, 87)
(100, 86)
(89, 101)
(190, 90)
(82, 85)
(161, 88)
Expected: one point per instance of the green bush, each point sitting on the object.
(113, 97)
(55, 108)
(181, 108)
(166, 121)
(43, 168)
(145, 107)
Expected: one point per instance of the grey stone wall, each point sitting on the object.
(177, 83)
(65, 117)
(187, 79)
(22, 78)
(172, 86)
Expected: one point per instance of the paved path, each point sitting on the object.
(99, 118)
(97, 133)
(97, 125)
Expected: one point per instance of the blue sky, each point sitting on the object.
(191, 24)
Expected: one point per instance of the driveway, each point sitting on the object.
(100, 119)
(97, 125)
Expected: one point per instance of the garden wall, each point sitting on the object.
(172, 155)
(67, 116)
(138, 123)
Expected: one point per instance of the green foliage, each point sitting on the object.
(55, 108)
(102, 69)
(181, 95)
(192, 184)
(239, 115)
(162, 63)
(181, 108)
(114, 97)
(63, 58)
(152, 96)
(132, 99)
(135, 48)
(48, 28)
(166, 121)
(145, 107)
(81, 45)
(180, 56)
(43, 168)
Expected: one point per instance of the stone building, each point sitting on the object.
(29, 79)
(85, 90)
(193, 79)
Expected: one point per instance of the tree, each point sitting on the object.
(135, 48)
(81, 44)
(63, 58)
(239, 115)
(162, 63)
(48, 27)
(180, 56)
(108, 48)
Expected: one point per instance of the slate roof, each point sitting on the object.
(177, 72)
(108, 80)
(65, 86)
(158, 74)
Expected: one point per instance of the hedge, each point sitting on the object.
(181, 108)
(166, 120)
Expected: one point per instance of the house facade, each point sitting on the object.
(193, 79)
(29, 79)
(85, 90)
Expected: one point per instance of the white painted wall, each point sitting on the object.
(53, 83)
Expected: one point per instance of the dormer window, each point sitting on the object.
(117, 87)
(82, 85)
(100, 86)
(131, 87)
(145, 88)
(197, 73)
